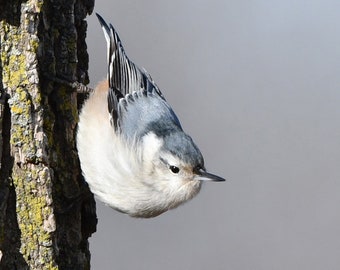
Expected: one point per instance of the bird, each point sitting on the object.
(133, 151)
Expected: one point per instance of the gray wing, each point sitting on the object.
(145, 111)
(134, 100)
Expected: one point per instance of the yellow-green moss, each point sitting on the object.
(31, 219)
(32, 207)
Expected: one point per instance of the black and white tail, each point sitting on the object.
(123, 75)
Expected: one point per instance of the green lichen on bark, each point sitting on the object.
(34, 198)
(44, 180)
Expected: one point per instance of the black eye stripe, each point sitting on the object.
(163, 160)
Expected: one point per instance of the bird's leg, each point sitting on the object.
(79, 87)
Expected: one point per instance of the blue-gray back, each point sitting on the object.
(145, 111)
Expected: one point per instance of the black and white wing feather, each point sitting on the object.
(124, 76)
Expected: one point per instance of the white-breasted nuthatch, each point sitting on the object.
(133, 151)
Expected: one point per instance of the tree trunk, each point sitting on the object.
(46, 210)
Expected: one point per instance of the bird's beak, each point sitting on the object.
(202, 175)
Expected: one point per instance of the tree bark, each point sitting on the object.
(46, 210)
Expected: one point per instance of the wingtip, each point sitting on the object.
(104, 26)
(108, 29)
(123, 74)
(100, 19)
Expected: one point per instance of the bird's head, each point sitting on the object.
(176, 165)
(182, 159)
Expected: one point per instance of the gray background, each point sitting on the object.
(257, 85)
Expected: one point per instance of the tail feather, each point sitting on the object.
(124, 77)
(123, 74)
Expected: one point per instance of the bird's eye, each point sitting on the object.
(174, 169)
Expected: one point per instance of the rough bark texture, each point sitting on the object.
(46, 210)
